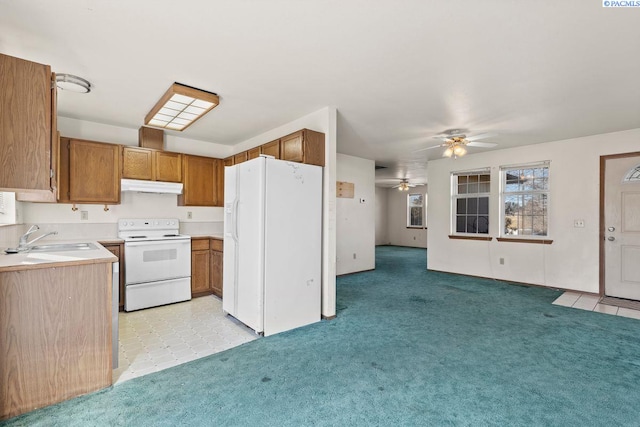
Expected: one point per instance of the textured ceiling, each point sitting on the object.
(398, 72)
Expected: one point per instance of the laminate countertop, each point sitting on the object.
(35, 260)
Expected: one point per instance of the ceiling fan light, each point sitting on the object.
(459, 150)
(448, 152)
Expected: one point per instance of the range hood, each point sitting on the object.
(151, 186)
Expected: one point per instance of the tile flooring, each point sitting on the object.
(158, 338)
(592, 303)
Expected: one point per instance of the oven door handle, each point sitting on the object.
(157, 242)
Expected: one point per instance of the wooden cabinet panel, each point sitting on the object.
(168, 166)
(304, 146)
(219, 183)
(291, 146)
(240, 157)
(200, 269)
(199, 179)
(137, 163)
(57, 324)
(94, 174)
(27, 127)
(216, 271)
(216, 245)
(271, 148)
(199, 244)
(253, 153)
(228, 161)
(118, 250)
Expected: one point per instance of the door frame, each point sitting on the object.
(603, 162)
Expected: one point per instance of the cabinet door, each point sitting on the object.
(137, 163)
(216, 272)
(168, 166)
(94, 174)
(200, 273)
(271, 148)
(199, 176)
(25, 125)
(240, 157)
(291, 147)
(219, 183)
(253, 153)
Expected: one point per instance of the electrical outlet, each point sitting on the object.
(84, 215)
(189, 215)
(501, 261)
(578, 223)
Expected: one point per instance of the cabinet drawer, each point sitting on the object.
(199, 244)
(216, 245)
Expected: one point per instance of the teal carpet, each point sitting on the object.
(409, 347)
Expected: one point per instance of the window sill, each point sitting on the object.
(521, 240)
(458, 237)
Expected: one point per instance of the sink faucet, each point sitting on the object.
(23, 245)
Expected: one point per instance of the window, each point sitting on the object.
(415, 210)
(525, 200)
(470, 192)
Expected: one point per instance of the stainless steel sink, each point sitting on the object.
(63, 247)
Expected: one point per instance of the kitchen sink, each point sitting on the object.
(63, 247)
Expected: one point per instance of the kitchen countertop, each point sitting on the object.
(34, 260)
(219, 236)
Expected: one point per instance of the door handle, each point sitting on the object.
(611, 238)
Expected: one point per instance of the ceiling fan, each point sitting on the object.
(455, 142)
(404, 185)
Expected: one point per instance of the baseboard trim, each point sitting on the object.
(354, 272)
(515, 282)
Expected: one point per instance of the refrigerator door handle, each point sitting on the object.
(236, 203)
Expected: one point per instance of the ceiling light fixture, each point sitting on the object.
(72, 83)
(403, 186)
(455, 147)
(180, 106)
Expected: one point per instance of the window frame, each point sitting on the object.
(455, 196)
(503, 193)
(423, 217)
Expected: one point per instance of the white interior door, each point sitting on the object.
(622, 227)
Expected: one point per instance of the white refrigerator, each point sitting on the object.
(272, 244)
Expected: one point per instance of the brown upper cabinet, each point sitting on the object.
(304, 146)
(151, 165)
(271, 148)
(201, 181)
(27, 126)
(228, 161)
(240, 157)
(253, 153)
(89, 172)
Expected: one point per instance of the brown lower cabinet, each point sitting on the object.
(118, 250)
(206, 266)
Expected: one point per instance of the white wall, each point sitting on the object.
(355, 220)
(572, 260)
(382, 217)
(325, 121)
(397, 230)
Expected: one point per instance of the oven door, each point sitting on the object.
(149, 261)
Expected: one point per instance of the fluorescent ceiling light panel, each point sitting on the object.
(180, 106)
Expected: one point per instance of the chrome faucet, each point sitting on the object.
(23, 245)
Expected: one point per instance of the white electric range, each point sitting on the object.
(157, 262)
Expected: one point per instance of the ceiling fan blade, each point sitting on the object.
(479, 136)
(429, 148)
(482, 144)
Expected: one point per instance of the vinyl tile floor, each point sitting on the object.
(161, 337)
(591, 302)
